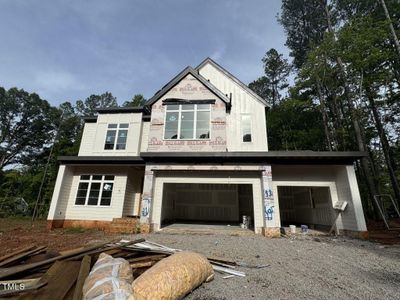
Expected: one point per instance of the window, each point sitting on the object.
(116, 136)
(187, 121)
(95, 190)
(246, 128)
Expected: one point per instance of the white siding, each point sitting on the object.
(144, 140)
(242, 103)
(133, 193)
(94, 135)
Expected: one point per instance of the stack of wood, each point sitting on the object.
(38, 273)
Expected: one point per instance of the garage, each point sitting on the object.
(306, 205)
(210, 198)
(206, 203)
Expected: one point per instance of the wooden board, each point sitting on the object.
(60, 278)
(83, 274)
(7, 256)
(21, 256)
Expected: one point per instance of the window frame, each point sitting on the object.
(195, 111)
(118, 128)
(242, 127)
(90, 181)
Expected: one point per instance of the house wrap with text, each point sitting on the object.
(197, 152)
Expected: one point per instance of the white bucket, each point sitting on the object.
(292, 228)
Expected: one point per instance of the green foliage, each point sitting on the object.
(26, 126)
(295, 125)
(93, 102)
(137, 100)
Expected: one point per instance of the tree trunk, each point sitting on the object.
(372, 188)
(324, 116)
(390, 163)
(396, 40)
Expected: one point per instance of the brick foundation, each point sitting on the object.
(101, 225)
(271, 232)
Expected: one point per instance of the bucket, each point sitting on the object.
(292, 228)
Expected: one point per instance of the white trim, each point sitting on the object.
(258, 206)
(102, 181)
(195, 110)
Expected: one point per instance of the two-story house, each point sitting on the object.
(198, 152)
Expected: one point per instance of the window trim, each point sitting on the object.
(195, 110)
(102, 181)
(117, 129)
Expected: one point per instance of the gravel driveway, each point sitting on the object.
(300, 267)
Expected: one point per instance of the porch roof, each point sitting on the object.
(114, 160)
(277, 157)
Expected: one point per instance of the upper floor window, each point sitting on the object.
(187, 121)
(246, 128)
(95, 190)
(116, 136)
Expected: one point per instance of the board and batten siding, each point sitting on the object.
(243, 103)
(94, 135)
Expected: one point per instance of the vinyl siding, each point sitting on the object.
(133, 194)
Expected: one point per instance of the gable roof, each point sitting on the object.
(188, 70)
(208, 60)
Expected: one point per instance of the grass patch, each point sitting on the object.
(76, 230)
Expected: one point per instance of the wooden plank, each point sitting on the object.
(6, 272)
(147, 258)
(83, 274)
(144, 264)
(21, 256)
(60, 278)
(7, 256)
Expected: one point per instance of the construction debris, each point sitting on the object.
(39, 273)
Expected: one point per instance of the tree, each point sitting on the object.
(276, 70)
(304, 25)
(93, 102)
(137, 100)
(26, 126)
(262, 87)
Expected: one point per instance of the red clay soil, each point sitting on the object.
(18, 233)
(379, 233)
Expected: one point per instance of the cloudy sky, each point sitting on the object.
(68, 50)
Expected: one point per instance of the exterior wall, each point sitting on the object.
(63, 203)
(242, 103)
(144, 139)
(188, 88)
(94, 135)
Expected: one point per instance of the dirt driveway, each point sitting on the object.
(299, 267)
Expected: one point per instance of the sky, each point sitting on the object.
(68, 50)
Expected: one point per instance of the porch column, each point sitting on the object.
(147, 199)
(52, 215)
(272, 221)
(356, 198)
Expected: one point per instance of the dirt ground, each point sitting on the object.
(297, 267)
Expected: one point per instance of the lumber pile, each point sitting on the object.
(35, 272)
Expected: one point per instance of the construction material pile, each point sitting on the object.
(136, 269)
